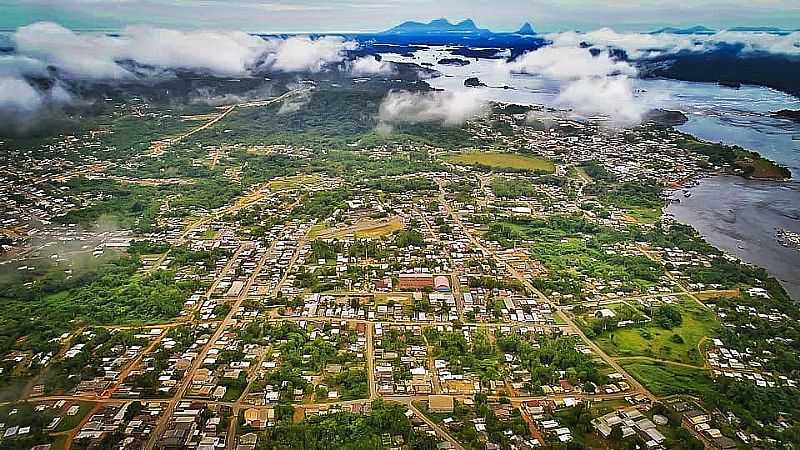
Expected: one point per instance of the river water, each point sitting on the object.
(716, 113)
(741, 216)
(736, 215)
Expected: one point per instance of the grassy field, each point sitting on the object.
(653, 341)
(502, 160)
(590, 439)
(209, 234)
(367, 229)
(12, 388)
(292, 182)
(666, 379)
(233, 393)
(709, 297)
(398, 298)
(761, 167)
(644, 215)
(315, 230)
(382, 229)
(59, 443)
(70, 422)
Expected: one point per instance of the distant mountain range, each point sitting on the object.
(444, 26)
(699, 29)
(468, 27)
(773, 30)
(725, 64)
(703, 30)
(438, 26)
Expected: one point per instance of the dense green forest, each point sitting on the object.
(113, 292)
(348, 431)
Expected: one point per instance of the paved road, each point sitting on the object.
(223, 325)
(454, 276)
(588, 342)
(187, 380)
(439, 431)
(370, 356)
(227, 111)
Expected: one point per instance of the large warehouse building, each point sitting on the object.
(415, 280)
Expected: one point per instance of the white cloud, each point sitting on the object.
(19, 66)
(639, 45)
(220, 53)
(610, 96)
(765, 42)
(569, 63)
(444, 107)
(25, 106)
(100, 56)
(589, 85)
(369, 65)
(141, 51)
(17, 95)
(59, 95)
(601, 85)
(89, 55)
(295, 103)
(296, 54)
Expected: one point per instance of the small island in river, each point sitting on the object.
(474, 82)
(453, 62)
(793, 115)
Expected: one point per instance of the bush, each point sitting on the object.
(668, 317)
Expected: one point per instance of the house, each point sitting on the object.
(605, 313)
(258, 418)
(724, 443)
(219, 392)
(247, 441)
(384, 284)
(201, 376)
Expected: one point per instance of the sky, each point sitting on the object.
(292, 16)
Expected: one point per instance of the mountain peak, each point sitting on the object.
(697, 29)
(436, 26)
(467, 23)
(437, 23)
(526, 29)
(769, 30)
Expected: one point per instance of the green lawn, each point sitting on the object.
(69, 422)
(502, 160)
(655, 342)
(59, 443)
(645, 215)
(233, 393)
(664, 379)
(588, 438)
(12, 387)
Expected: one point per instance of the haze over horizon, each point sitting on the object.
(377, 15)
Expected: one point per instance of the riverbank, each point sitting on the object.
(745, 163)
(736, 214)
(743, 218)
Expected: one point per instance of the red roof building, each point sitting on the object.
(415, 280)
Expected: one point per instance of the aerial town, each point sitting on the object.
(530, 294)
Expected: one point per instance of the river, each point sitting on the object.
(741, 216)
(736, 215)
(716, 113)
